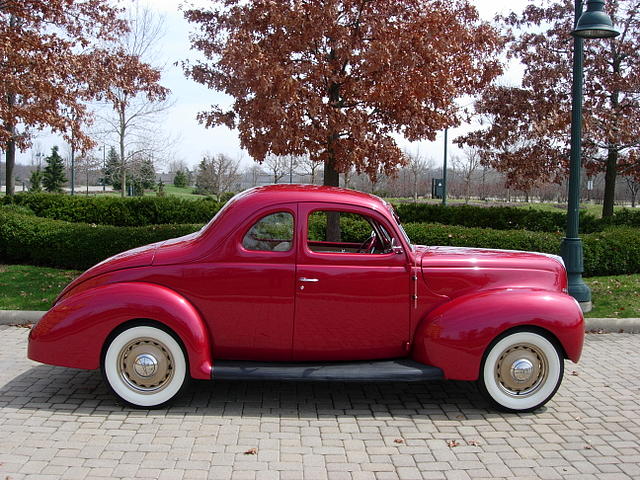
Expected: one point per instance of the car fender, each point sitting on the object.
(73, 332)
(455, 336)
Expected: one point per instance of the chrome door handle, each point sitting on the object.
(303, 279)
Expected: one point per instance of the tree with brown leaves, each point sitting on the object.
(50, 69)
(527, 133)
(335, 79)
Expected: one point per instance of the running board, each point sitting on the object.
(402, 370)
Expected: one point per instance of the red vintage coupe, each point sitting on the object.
(315, 283)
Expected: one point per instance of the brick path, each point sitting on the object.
(60, 423)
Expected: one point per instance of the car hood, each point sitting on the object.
(455, 271)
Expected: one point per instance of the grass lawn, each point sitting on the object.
(182, 192)
(615, 297)
(170, 190)
(24, 287)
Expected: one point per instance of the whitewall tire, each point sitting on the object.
(521, 371)
(145, 367)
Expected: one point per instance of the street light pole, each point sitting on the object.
(593, 24)
(444, 170)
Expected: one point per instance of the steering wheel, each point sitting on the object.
(368, 245)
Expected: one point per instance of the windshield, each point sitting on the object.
(397, 219)
(404, 234)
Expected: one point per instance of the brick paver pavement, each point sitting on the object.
(60, 423)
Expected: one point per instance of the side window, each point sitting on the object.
(273, 233)
(345, 232)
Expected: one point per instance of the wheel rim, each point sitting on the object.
(521, 370)
(146, 365)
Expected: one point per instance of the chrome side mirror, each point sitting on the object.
(397, 249)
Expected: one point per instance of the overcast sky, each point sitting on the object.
(191, 97)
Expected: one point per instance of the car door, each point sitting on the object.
(352, 300)
(250, 304)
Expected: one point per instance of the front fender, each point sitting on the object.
(455, 335)
(73, 332)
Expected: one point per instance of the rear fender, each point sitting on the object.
(73, 332)
(455, 335)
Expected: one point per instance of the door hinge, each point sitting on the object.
(407, 346)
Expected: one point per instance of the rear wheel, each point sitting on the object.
(521, 371)
(145, 367)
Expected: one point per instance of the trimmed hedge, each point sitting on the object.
(121, 212)
(616, 251)
(140, 211)
(447, 235)
(40, 241)
(55, 243)
(499, 218)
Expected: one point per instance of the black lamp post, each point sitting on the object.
(444, 169)
(594, 23)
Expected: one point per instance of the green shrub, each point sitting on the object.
(434, 234)
(13, 208)
(139, 211)
(121, 212)
(41, 241)
(623, 217)
(615, 251)
(353, 227)
(226, 196)
(499, 218)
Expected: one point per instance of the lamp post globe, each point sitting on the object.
(594, 23)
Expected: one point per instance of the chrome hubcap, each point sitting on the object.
(521, 370)
(146, 365)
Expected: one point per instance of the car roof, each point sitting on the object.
(290, 193)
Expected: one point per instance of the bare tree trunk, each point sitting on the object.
(10, 154)
(10, 148)
(123, 169)
(10, 157)
(332, 179)
(612, 154)
(123, 164)
(610, 183)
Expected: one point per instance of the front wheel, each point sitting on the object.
(521, 372)
(145, 367)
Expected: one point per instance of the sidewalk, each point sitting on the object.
(600, 325)
(62, 423)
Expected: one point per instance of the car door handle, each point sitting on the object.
(303, 279)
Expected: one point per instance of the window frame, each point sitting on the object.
(370, 216)
(254, 220)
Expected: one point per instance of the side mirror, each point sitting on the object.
(397, 249)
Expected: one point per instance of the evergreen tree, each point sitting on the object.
(142, 177)
(180, 179)
(204, 183)
(113, 170)
(146, 174)
(53, 177)
(160, 189)
(35, 181)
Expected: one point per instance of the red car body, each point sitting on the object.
(438, 306)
